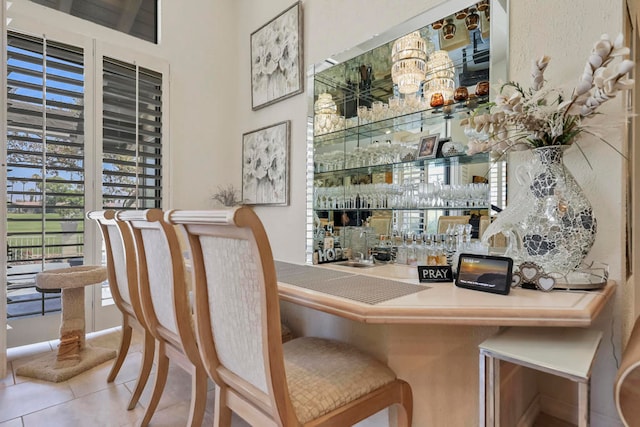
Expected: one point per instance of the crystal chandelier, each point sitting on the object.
(440, 75)
(409, 56)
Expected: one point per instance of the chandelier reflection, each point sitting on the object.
(440, 75)
(409, 56)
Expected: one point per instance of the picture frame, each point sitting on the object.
(276, 58)
(265, 165)
(428, 147)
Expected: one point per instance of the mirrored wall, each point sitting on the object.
(386, 149)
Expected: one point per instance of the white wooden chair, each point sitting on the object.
(165, 304)
(122, 273)
(304, 382)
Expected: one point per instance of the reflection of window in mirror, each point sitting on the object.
(138, 18)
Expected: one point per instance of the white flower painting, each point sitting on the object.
(265, 165)
(276, 59)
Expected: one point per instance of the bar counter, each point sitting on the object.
(444, 303)
(430, 335)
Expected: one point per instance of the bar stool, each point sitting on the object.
(565, 352)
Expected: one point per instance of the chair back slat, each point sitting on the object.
(160, 275)
(119, 260)
(235, 304)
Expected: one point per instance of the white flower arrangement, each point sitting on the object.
(521, 119)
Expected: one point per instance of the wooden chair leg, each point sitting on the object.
(405, 414)
(222, 413)
(125, 341)
(158, 386)
(198, 397)
(145, 369)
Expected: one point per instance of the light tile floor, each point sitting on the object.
(87, 399)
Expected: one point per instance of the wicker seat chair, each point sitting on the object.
(165, 303)
(122, 273)
(304, 382)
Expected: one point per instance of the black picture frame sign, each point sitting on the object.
(434, 273)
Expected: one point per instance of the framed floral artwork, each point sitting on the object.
(265, 165)
(276, 58)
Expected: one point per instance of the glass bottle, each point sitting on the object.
(412, 258)
(421, 250)
(402, 253)
(442, 252)
(432, 252)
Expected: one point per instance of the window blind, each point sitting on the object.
(132, 138)
(45, 158)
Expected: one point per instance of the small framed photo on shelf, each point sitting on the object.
(265, 165)
(428, 147)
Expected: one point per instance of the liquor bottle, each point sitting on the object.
(402, 253)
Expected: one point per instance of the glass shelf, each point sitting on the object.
(430, 208)
(388, 167)
(404, 122)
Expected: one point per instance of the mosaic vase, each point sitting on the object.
(559, 228)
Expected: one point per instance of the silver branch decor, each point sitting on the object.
(521, 119)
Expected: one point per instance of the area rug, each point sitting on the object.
(44, 367)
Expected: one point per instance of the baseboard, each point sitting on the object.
(529, 417)
(556, 408)
(569, 413)
(601, 420)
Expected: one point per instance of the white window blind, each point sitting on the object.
(132, 138)
(45, 162)
(498, 184)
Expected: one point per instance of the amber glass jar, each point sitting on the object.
(437, 100)
(482, 88)
(461, 94)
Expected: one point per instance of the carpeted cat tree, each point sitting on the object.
(73, 356)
